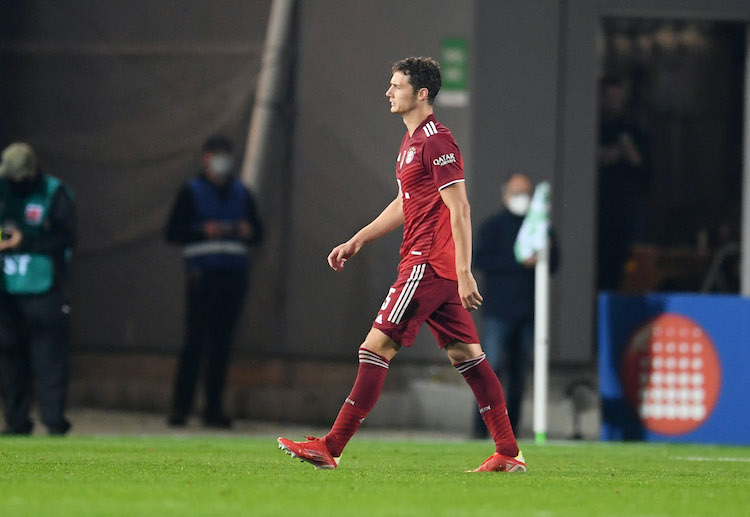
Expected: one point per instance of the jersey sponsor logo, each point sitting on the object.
(33, 214)
(445, 160)
(349, 401)
(410, 154)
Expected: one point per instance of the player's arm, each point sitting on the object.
(454, 197)
(389, 219)
(179, 229)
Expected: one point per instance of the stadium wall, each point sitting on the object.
(343, 175)
(117, 97)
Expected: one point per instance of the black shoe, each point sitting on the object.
(21, 430)
(217, 421)
(15, 432)
(60, 429)
(176, 420)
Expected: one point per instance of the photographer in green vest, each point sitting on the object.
(37, 216)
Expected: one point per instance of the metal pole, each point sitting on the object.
(541, 342)
(745, 225)
(270, 93)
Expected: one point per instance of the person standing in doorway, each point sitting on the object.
(624, 179)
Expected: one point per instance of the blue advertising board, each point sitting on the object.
(674, 368)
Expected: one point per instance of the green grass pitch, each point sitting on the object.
(180, 476)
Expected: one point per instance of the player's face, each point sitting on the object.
(401, 94)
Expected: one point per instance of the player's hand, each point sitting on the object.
(213, 229)
(13, 241)
(468, 291)
(244, 230)
(341, 253)
(530, 262)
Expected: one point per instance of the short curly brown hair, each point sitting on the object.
(423, 72)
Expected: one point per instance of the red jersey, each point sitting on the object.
(427, 162)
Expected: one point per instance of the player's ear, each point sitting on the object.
(422, 94)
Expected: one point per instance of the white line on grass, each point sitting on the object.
(706, 458)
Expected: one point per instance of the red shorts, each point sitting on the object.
(420, 295)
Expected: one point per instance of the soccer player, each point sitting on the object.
(434, 282)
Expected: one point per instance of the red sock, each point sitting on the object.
(364, 395)
(489, 394)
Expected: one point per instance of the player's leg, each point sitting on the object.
(409, 303)
(469, 360)
(395, 325)
(374, 360)
(375, 355)
(494, 335)
(454, 329)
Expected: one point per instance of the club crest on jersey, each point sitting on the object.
(33, 214)
(410, 154)
(445, 160)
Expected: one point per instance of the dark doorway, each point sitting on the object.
(679, 218)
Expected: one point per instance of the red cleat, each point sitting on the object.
(499, 463)
(312, 451)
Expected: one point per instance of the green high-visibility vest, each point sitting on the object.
(28, 273)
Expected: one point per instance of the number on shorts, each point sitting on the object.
(387, 299)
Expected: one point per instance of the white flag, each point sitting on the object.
(532, 236)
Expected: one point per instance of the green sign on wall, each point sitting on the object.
(454, 64)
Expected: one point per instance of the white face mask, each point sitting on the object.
(221, 165)
(519, 204)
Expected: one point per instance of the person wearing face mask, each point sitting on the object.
(37, 215)
(508, 310)
(214, 219)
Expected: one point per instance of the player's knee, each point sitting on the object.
(381, 344)
(459, 352)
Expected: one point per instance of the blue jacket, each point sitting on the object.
(200, 201)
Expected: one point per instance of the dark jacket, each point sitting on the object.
(508, 287)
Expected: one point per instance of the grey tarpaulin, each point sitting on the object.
(117, 98)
